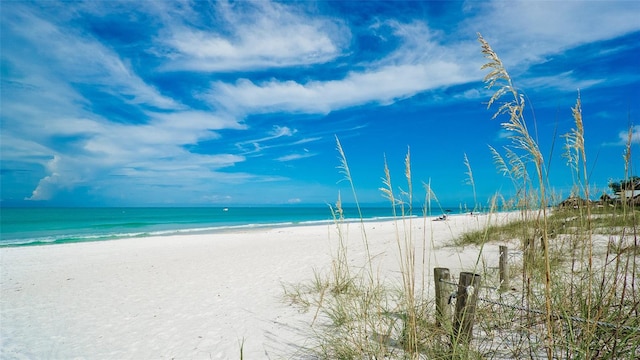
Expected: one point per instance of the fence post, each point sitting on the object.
(466, 300)
(443, 309)
(504, 268)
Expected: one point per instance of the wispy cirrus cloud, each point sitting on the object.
(73, 57)
(253, 35)
(253, 146)
(325, 96)
(296, 156)
(565, 81)
(527, 31)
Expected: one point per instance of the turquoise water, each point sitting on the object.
(40, 226)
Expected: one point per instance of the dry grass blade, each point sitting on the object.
(497, 72)
(407, 174)
(521, 139)
(498, 160)
(470, 181)
(387, 189)
(627, 153)
(517, 166)
(574, 141)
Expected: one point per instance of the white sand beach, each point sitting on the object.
(193, 296)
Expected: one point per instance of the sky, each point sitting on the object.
(198, 103)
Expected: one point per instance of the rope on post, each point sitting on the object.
(568, 317)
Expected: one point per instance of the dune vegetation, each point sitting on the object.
(574, 281)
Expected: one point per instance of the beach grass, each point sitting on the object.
(574, 280)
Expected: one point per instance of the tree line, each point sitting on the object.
(633, 183)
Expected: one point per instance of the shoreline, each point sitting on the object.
(195, 230)
(194, 296)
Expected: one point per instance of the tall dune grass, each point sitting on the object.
(575, 296)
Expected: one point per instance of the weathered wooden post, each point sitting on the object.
(504, 268)
(443, 309)
(466, 300)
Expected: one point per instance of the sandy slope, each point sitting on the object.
(193, 296)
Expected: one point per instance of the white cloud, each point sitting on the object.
(254, 35)
(148, 150)
(47, 185)
(279, 131)
(306, 140)
(383, 86)
(64, 173)
(565, 82)
(255, 145)
(504, 134)
(217, 199)
(75, 58)
(632, 135)
(524, 32)
(298, 156)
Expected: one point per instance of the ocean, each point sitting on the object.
(42, 226)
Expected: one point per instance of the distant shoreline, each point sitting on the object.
(50, 226)
(124, 228)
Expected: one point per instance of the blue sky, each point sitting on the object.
(124, 103)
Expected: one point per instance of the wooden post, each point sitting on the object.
(443, 309)
(504, 268)
(466, 300)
